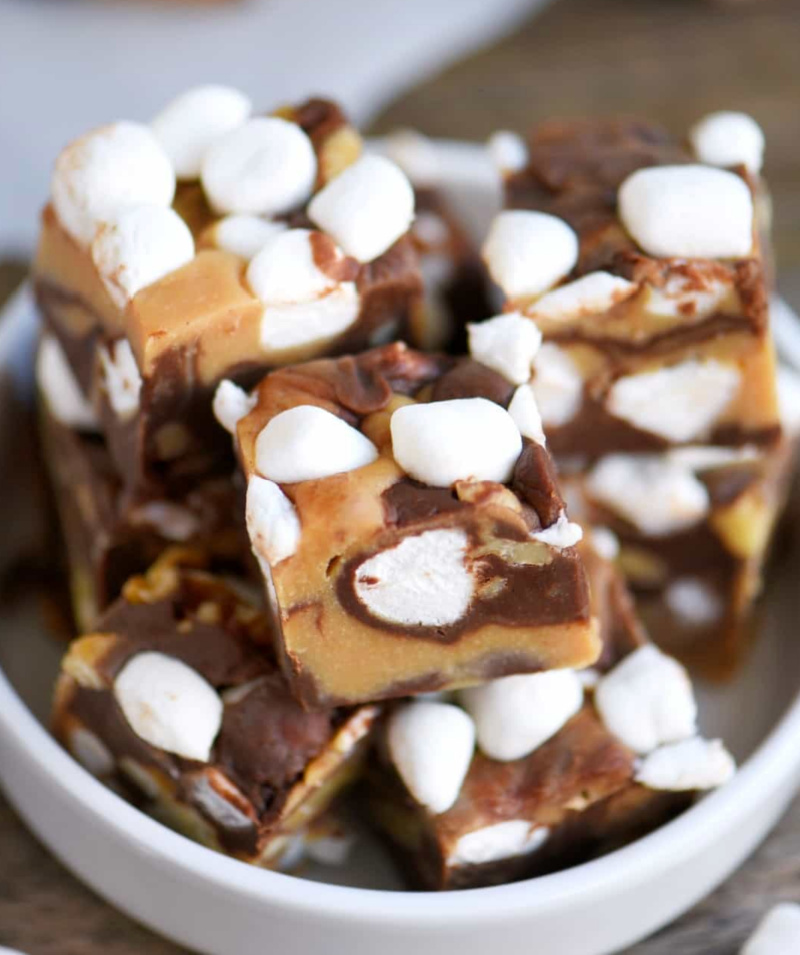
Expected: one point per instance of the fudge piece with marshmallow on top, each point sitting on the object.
(177, 702)
(409, 527)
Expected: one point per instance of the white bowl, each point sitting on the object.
(216, 905)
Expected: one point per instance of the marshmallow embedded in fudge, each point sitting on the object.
(60, 389)
(98, 175)
(272, 522)
(243, 235)
(778, 933)
(169, 705)
(516, 714)
(138, 246)
(588, 295)
(461, 439)
(679, 403)
(680, 297)
(690, 764)
(431, 746)
(265, 167)
(557, 385)
(647, 700)
(507, 151)
(231, 404)
(416, 155)
(728, 139)
(121, 377)
(366, 208)
(694, 602)
(529, 252)
(193, 121)
(689, 211)
(525, 412)
(507, 344)
(306, 443)
(503, 840)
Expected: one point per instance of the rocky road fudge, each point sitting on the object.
(409, 527)
(533, 773)
(176, 700)
(215, 243)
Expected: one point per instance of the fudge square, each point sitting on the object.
(408, 524)
(177, 702)
(153, 271)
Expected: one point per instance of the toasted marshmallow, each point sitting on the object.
(507, 151)
(688, 211)
(272, 522)
(137, 247)
(169, 705)
(431, 746)
(591, 294)
(728, 139)
(503, 840)
(529, 252)
(306, 443)
(106, 170)
(231, 404)
(421, 582)
(91, 752)
(694, 602)
(459, 440)
(416, 155)
(243, 235)
(193, 121)
(366, 208)
(778, 933)
(656, 496)
(525, 412)
(516, 714)
(557, 384)
(507, 344)
(60, 389)
(265, 167)
(121, 377)
(563, 533)
(691, 764)
(679, 403)
(647, 700)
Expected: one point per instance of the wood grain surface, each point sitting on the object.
(666, 59)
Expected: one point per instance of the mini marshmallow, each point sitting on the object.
(605, 543)
(366, 208)
(231, 404)
(421, 582)
(106, 170)
(728, 139)
(60, 389)
(416, 155)
(243, 235)
(681, 298)
(193, 121)
(778, 933)
(591, 294)
(656, 496)
(694, 602)
(307, 443)
(459, 440)
(431, 746)
(680, 403)
(265, 167)
(121, 377)
(516, 714)
(503, 840)
(169, 705)
(788, 383)
(691, 764)
(507, 344)
(557, 384)
(431, 229)
(647, 700)
(688, 211)
(706, 457)
(137, 247)
(529, 252)
(525, 412)
(272, 522)
(563, 533)
(507, 151)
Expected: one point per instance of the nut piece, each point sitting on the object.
(591, 294)
(60, 389)
(728, 139)
(121, 377)
(503, 840)
(273, 526)
(243, 235)
(525, 412)
(557, 384)
(231, 404)
(507, 344)
(778, 933)
(691, 764)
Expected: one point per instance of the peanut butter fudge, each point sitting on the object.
(533, 773)
(406, 517)
(210, 244)
(176, 701)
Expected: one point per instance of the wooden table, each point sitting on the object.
(671, 59)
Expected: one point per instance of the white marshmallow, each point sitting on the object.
(647, 700)
(557, 384)
(106, 170)
(516, 714)
(680, 297)
(503, 840)
(728, 139)
(694, 601)
(705, 457)
(448, 441)
(306, 443)
(91, 752)
(121, 377)
(416, 155)
(789, 399)
(691, 764)
(507, 151)
(421, 582)
(137, 247)
(591, 294)
(60, 389)
(688, 211)
(778, 933)
(244, 235)
(605, 543)
(169, 705)
(507, 344)
(656, 496)
(306, 323)
(679, 403)
(193, 121)
(366, 208)
(563, 533)
(431, 746)
(528, 252)
(431, 229)
(272, 522)
(265, 167)
(525, 412)
(231, 404)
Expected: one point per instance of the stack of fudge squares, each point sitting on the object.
(332, 525)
